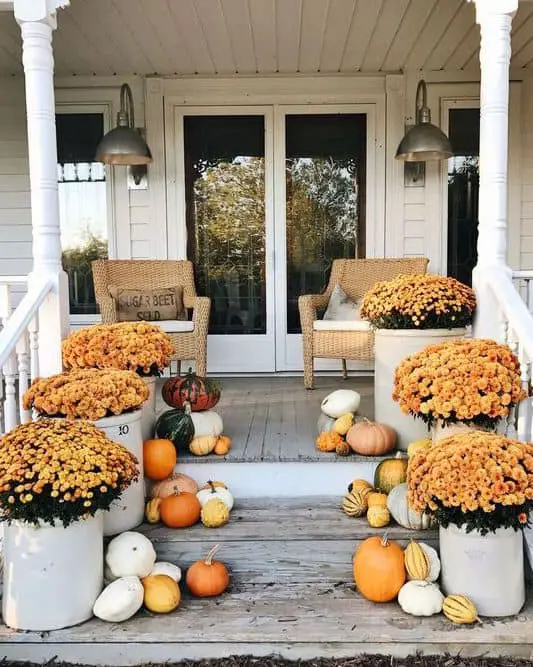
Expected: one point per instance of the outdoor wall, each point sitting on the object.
(526, 131)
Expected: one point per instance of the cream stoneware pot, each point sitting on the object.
(392, 346)
(148, 410)
(489, 569)
(52, 574)
(126, 512)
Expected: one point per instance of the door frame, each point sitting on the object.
(289, 355)
(227, 353)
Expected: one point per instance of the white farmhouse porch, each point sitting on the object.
(290, 556)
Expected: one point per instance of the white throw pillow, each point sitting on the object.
(341, 307)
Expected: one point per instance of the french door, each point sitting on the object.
(267, 197)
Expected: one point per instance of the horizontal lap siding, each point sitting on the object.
(140, 224)
(526, 228)
(415, 228)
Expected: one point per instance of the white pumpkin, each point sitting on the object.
(216, 493)
(324, 424)
(120, 600)
(420, 598)
(403, 513)
(130, 554)
(207, 422)
(340, 402)
(108, 575)
(171, 570)
(433, 560)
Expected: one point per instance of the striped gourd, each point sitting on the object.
(460, 609)
(355, 502)
(416, 562)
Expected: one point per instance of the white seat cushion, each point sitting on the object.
(175, 326)
(341, 325)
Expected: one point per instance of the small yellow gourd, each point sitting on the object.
(161, 593)
(355, 503)
(418, 446)
(328, 442)
(152, 511)
(202, 445)
(378, 516)
(377, 499)
(343, 424)
(460, 609)
(215, 513)
(359, 484)
(416, 562)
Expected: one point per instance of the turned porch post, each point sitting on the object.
(494, 18)
(37, 22)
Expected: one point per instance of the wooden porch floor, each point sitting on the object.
(273, 419)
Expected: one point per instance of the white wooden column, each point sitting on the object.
(494, 18)
(37, 20)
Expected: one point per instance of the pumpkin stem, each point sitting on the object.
(187, 407)
(209, 558)
(213, 487)
(385, 539)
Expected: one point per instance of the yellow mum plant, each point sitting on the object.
(474, 380)
(419, 302)
(86, 394)
(126, 346)
(60, 470)
(480, 480)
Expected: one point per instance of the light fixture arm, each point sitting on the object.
(422, 112)
(126, 115)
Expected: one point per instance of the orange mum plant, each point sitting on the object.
(86, 394)
(60, 470)
(475, 381)
(419, 302)
(126, 346)
(478, 480)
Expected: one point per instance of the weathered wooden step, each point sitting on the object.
(272, 540)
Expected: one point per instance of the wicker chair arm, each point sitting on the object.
(308, 305)
(201, 308)
(108, 309)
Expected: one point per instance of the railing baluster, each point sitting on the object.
(2, 411)
(33, 330)
(23, 363)
(10, 402)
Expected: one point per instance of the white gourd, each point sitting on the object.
(324, 424)
(205, 495)
(108, 575)
(120, 600)
(130, 554)
(433, 560)
(420, 598)
(207, 422)
(171, 570)
(403, 514)
(340, 402)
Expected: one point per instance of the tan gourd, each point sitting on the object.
(416, 562)
(215, 513)
(378, 517)
(377, 499)
(343, 424)
(152, 511)
(460, 609)
(343, 449)
(355, 503)
(202, 445)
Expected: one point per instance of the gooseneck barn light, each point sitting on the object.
(124, 145)
(424, 141)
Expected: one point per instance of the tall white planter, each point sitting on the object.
(489, 569)
(391, 347)
(126, 512)
(52, 575)
(148, 410)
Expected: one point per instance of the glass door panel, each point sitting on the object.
(225, 181)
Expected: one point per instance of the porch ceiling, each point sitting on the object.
(225, 37)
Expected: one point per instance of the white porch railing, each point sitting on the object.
(19, 347)
(523, 281)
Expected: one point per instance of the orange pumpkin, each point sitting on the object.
(379, 569)
(223, 445)
(207, 578)
(180, 510)
(159, 458)
(177, 483)
(371, 439)
(328, 441)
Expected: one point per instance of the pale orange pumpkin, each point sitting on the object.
(207, 578)
(223, 445)
(176, 483)
(371, 439)
(180, 511)
(159, 458)
(379, 569)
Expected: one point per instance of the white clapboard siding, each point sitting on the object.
(526, 232)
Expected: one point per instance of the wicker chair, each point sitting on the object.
(153, 274)
(355, 276)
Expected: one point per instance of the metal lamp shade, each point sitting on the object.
(424, 142)
(123, 146)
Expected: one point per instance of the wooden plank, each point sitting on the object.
(211, 17)
(457, 31)
(191, 33)
(364, 21)
(168, 33)
(387, 25)
(338, 26)
(435, 27)
(314, 17)
(263, 21)
(237, 21)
